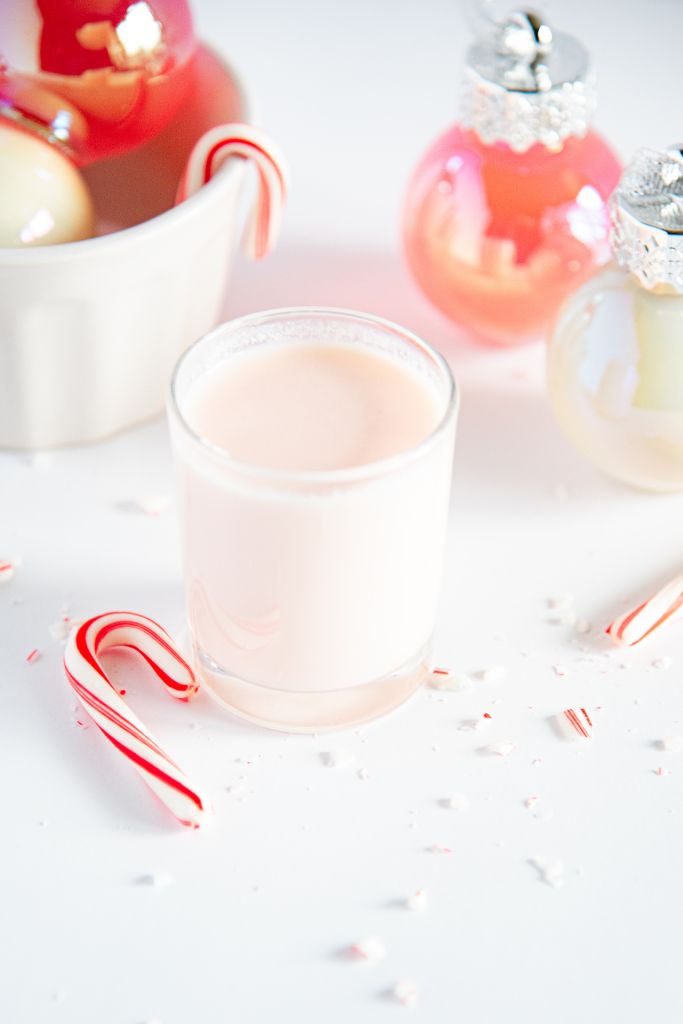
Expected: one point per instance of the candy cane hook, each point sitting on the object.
(112, 715)
(243, 141)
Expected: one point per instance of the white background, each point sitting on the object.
(302, 859)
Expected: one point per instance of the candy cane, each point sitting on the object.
(115, 719)
(220, 144)
(665, 606)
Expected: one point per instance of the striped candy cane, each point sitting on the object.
(226, 141)
(115, 719)
(665, 606)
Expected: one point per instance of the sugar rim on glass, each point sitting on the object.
(349, 474)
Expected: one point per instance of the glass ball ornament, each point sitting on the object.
(506, 213)
(114, 72)
(615, 360)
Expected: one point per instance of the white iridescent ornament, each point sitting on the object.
(615, 362)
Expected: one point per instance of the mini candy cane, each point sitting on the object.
(665, 606)
(115, 719)
(209, 154)
(578, 721)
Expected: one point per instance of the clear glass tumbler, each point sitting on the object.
(312, 596)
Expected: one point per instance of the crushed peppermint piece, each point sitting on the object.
(563, 617)
(444, 679)
(672, 744)
(155, 880)
(559, 670)
(475, 724)
(363, 774)
(663, 663)
(39, 460)
(457, 802)
(439, 848)
(60, 629)
(582, 626)
(501, 749)
(531, 802)
(369, 948)
(405, 993)
(561, 602)
(576, 722)
(153, 505)
(552, 874)
(337, 758)
(418, 901)
(662, 771)
(493, 674)
(33, 656)
(7, 570)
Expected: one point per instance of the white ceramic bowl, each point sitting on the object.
(90, 331)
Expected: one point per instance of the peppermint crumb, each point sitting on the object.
(337, 758)
(493, 674)
(418, 901)
(155, 880)
(457, 802)
(502, 749)
(447, 681)
(552, 874)
(405, 993)
(371, 947)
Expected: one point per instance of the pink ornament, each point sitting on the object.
(119, 68)
(506, 214)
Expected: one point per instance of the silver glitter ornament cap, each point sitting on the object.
(647, 218)
(527, 84)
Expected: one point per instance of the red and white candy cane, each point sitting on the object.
(243, 141)
(113, 716)
(664, 606)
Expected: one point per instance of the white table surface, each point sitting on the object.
(253, 917)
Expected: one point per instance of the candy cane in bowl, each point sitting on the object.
(244, 142)
(664, 606)
(115, 719)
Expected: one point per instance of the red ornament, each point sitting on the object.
(117, 69)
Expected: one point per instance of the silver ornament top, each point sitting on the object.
(527, 84)
(647, 218)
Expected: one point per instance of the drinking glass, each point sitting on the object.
(312, 596)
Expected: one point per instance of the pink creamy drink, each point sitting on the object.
(314, 452)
